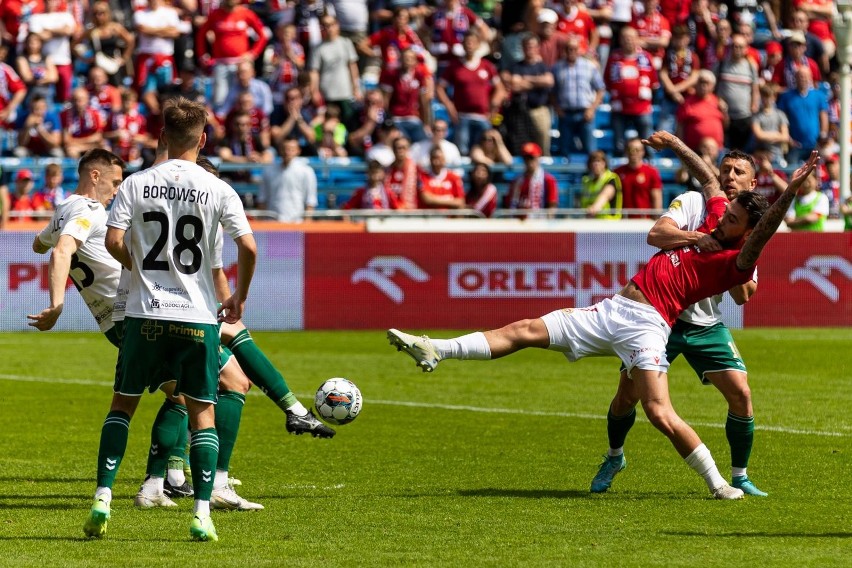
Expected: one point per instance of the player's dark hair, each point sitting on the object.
(740, 155)
(98, 157)
(183, 123)
(755, 205)
(207, 165)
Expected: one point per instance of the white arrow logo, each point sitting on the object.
(381, 269)
(818, 268)
(206, 475)
(154, 448)
(110, 464)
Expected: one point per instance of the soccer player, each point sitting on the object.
(698, 334)
(635, 323)
(171, 322)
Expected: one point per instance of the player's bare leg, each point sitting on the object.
(739, 426)
(653, 389)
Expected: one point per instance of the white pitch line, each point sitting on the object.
(781, 429)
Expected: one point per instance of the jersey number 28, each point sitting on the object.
(184, 243)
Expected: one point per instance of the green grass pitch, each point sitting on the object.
(480, 463)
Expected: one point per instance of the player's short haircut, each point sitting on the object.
(207, 165)
(755, 205)
(98, 157)
(183, 123)
(740, 155)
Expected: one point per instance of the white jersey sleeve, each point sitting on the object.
(93, 270)
(123, 288)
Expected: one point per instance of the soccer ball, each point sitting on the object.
(338, 401)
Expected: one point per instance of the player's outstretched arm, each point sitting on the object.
(770, 221)
(697, 167)
(58, 270)
(231, 310)
(38, 246)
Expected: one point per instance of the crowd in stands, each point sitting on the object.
(439, 99)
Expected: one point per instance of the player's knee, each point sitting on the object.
(739, 401)
(661, 416)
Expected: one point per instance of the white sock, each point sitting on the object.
(702, 462)
(738, 472)
(470, 346)
(176, 477)
(298, 409)
(221, 479)
(104, 494)
(201, 508)
(615, 452)
(153, 485)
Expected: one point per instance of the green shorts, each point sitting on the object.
(114, 333)
(152, 349)
(706, 349)
(225, 355)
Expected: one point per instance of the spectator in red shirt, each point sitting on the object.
(127, 130)
(392, 41)
(449, 26)
(440, 188)
(103, 97)
(769, 182)
(403, 179)
(408, 91)
(374, 195)
(82, 126)
(631, 80)
(259, 121)
(641, 185)
(23, 200)
(784, 74)
(477, 93)
(701, 23)
(678, 76)
(701, 115)
(535, 189)
(156, 28)
(653, 29)
(227, 32)
(482, 194)
(551, 42)
(13, 15)
(576, 22)
(13, 91)
(675, 11)
(820, 13)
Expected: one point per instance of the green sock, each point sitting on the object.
(203, 451)
(165, 435)
(617, 427)
(229, 411)
(740, 433)
(181, 447)
(258, 368)
(113, 444)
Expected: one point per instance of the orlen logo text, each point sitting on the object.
(534, 279)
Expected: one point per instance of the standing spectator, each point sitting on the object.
(738, 86)
(291, 189)
(770, 127)
(807, 110)
(82, 126)
(814, 48)
(288, 61)
(13, 91)
(577, 92)
(37, 70)
(39, 131)
(678, 76)
(127, 129)
(530, 81)
(809, 209)
(334, 70)
(14, 20)
(245, 82)
(774, 54)
(408, 92)
(820, 13)
(719, 47)
(226, 30)
(440, 188)
(374, 195)
(576, 22)
(353, 16)
(56, 26)
(701, 23)
(653, 31)
(601, 188)
(675, 11)
(156, 28)
(551, 42)
(307, 20)
(751, 52)
(403, 179)
(631, 79)
(535, 189)
(449, 26)
(110, 41)
(641, 184)
(421, 152)
(477, 91)
(784, 74)
(491, 150)
(482, 194)
(769, 182)
(372, 115)
(393, 40)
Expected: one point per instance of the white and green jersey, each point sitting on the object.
(172, 211)
(688, 211)
(93, 270)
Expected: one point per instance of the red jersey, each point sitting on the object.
(817, 26)
(404, 183)
(472, 86)
(449, 29)
(764, 186)
(231, 33)
(529, 193)
(443, 184)
(578, 24)
(631, 81)
(784, 73)
(81, 125)
(637, 185)
(679, 64)
(675, 11)
(33, 202)
(10, 84)
(13, 13)
(107, 99)
(485, 202)
(377, 198)
(653, 26)
(405, 89)
(392, 44)
(130, 124)
(701, 118)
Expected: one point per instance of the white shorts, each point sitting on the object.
(635, 333)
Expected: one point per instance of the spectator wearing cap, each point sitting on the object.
(737, 85)
(784, 74)
(552, 43)
(814, 48)
(39, 131)
(641, 184)
(774, 54)
(807, 110)
(575, 21)
(577, 92)
(23, 200)
(530, 82)
(535, 189)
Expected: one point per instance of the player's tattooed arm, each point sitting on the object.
(770, 221)
(696, 166)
